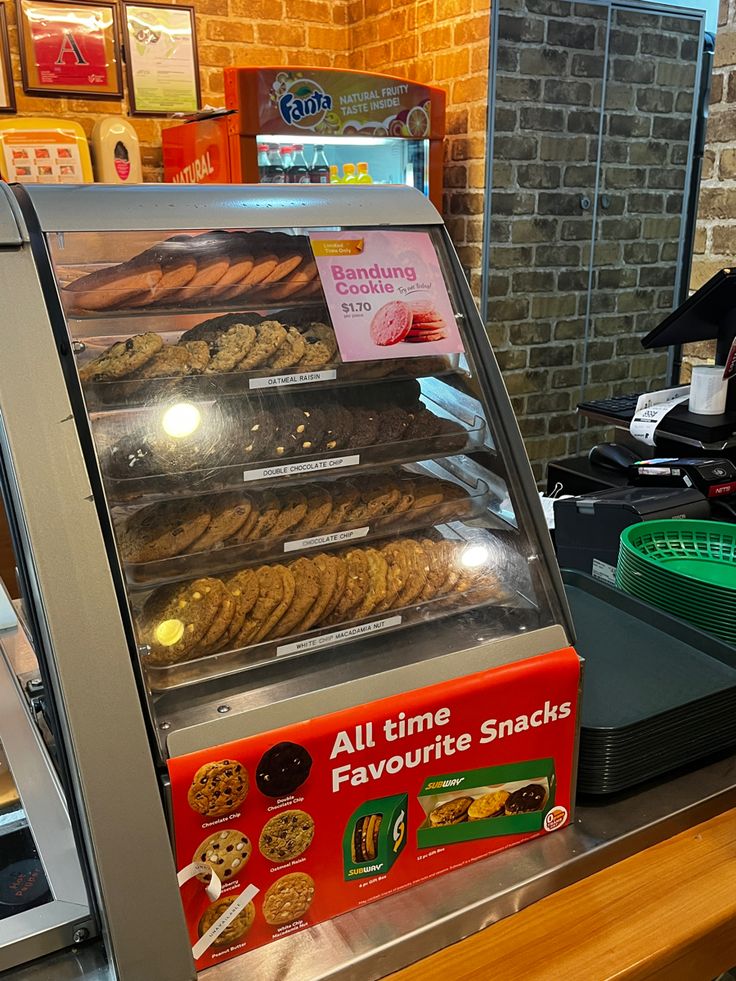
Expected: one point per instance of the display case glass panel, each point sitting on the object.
(269, 496)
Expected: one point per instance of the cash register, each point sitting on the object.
(691, 471)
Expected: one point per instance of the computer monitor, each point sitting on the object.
(709, 314)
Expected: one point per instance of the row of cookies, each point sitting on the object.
(234, 431)
(283, 837)
(194, 270)
(266, 345)
(495, 803)
(185, 621)
(169, 528)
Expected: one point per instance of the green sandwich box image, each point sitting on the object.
(375, 836)
(488, 802)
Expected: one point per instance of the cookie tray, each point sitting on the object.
(110, 395)
(228, 663)
(469, 436)
(513, 599)
(143, 575)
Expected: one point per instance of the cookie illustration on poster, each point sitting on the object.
(254, 836)
(386, 295)
(292, 827)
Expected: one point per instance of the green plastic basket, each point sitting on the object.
(702, 552)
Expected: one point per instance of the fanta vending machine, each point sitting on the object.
(314, 125)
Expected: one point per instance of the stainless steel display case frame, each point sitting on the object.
(54, 925)
(73, 595)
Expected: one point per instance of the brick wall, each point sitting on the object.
(443, 43)
(229, 32)
(715, 243)
(559, 330)
(715, 237)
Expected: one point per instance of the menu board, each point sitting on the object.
(42, 157)
(386, 294)
(282, 830)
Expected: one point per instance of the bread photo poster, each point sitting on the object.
(386, 294)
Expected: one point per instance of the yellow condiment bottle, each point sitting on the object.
(348, 174)
(363, 176)
(334, 175)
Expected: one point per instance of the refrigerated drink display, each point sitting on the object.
(394, 125)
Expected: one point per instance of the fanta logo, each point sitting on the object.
(304, 104)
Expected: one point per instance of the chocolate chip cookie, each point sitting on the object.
(228, 514)
(218, 788)
(160, 531)
(451, 812)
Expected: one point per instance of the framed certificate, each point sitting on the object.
(161, 59)
(7, 90)
(70, 48)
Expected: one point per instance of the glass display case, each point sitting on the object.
(249, 518)
(209, 360)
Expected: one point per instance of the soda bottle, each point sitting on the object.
(363, 176)
(348, 173)
(275, 169)
(320, 171)
(334, 175)
(299, 172)
(263, 176)
(285, 154)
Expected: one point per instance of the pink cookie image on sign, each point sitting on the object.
(391, 323)
(424, 312)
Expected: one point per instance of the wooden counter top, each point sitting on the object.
(667, 913)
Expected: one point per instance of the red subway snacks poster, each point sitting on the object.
(306, 822)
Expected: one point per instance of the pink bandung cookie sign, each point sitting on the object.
(386, 295)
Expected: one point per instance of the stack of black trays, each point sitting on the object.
(658, 693)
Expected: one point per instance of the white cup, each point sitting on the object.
(708, 390)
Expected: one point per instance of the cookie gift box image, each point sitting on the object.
(309, 821)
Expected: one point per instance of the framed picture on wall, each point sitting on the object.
(70, 48)
(7, 90)
(161, 58)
